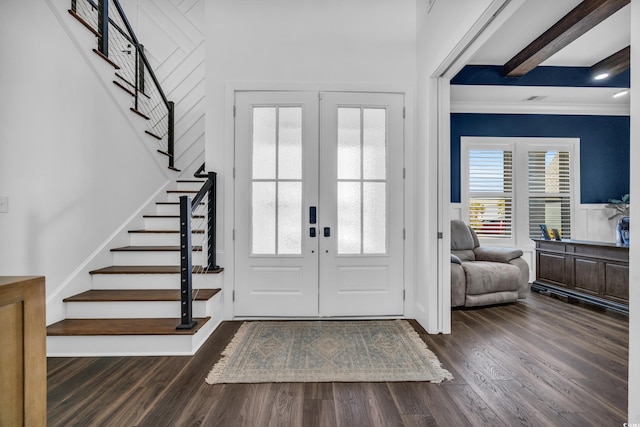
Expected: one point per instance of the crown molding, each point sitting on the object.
(539, 108)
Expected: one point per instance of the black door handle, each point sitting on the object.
(312, 232)
(327, 231)
(312, 215)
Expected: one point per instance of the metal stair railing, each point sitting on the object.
(204, 202)
(118, 43)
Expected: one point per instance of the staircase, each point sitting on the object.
(133, 306)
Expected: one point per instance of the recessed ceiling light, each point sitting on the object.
(601, 76)
(621, 93)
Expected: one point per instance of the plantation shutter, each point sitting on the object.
(491, 192)
(549, 192)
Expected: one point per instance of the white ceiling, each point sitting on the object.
(533, 18)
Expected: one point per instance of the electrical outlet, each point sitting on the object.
(4, 204)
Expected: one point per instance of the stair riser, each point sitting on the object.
(175, 209)
(163, 239)
(153, 281)
(132, 309)
(175, 197)
(162, 223)
(167, 209)
(153, 258)
(135, 345)
(190, 186)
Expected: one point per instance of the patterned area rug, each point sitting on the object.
(327, 351)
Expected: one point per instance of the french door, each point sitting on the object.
(318, 204)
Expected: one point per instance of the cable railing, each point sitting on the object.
(196, 215)
(118, 43)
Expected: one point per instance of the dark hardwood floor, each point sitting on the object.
(540, 362)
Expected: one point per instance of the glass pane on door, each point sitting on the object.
(276, 182)
(362, 181)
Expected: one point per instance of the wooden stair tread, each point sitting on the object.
(152, 269)
(152, 249)
(170, 216)
(188, 181)
(153, 326)
(172, 203)
(164, 231)
(102, 295)
(140, 113)
(183, 191)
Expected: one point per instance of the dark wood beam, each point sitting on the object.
(581, 19)
(614, 64)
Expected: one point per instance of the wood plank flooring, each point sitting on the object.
(540, 362)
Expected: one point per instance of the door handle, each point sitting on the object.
(312, 215)
(312, 232)
(327, 231)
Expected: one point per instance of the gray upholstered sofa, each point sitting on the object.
(484, 275)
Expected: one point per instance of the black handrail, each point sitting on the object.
(200, 172)
(187, 208)
(103, 22)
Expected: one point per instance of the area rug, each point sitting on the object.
(327, 351)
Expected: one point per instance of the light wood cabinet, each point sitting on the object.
(593, 272)
(23, 360)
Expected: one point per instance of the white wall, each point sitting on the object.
(72, 159)
(299, 44)
(439, 32)
(173, 37)
(634, 251)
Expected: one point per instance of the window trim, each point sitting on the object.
(520, 147)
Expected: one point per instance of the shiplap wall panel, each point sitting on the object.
(173, 34)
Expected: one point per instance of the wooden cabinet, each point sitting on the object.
(23, 359)
(593, 272)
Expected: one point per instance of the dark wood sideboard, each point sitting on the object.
(593, 272)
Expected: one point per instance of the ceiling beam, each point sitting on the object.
(614, 64)
(581, 19)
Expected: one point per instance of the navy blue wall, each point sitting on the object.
(604, 146)
(539, 76)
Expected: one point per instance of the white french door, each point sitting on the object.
(318, 204)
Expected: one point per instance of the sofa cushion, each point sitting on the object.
(494, 254)
(461, 236)
(486, 277)
(458, 286)
(492, 298)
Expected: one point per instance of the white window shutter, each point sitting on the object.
(490, 189)
(549, 192)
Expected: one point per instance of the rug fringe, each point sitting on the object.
(218, 368)
(433, 359)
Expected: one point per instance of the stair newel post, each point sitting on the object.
(170, 132)
(186, 265)
(103, 27)
(211, 221)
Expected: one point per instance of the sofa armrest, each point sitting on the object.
(455, 259)
(495, 254)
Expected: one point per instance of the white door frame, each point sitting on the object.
(439, 303)
(226, 181)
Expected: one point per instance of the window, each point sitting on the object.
(549, 191)
(512, 185)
